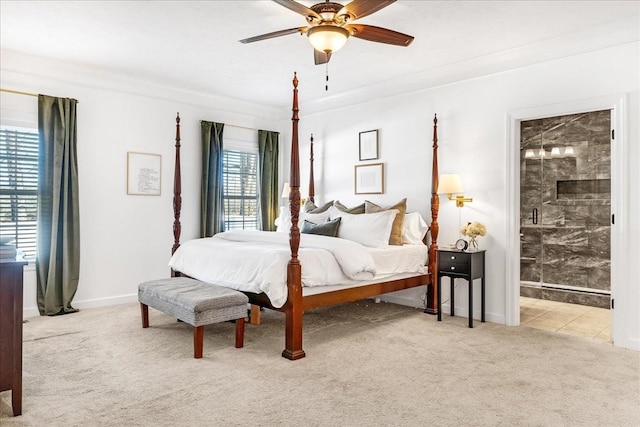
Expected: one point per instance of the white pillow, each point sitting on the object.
(283, 223)
(316, 218)
(414, 229)
(371, 229)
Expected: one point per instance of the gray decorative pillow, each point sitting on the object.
(311, 207)
(354, 210)
(329, 228)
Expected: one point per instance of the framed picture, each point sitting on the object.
(369, 145)
(369, 179)
(144, 173)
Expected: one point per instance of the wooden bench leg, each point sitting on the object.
(144, 312)
(240, 332)
(198, 338)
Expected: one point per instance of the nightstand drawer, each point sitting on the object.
(451, 266)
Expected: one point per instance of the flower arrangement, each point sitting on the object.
(473, 230)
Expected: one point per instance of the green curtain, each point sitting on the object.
(212, 205)
(268, 169)
(58, 256)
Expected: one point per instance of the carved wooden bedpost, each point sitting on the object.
(312, 190)
(177, 194)
(432, 297)
(294, 311)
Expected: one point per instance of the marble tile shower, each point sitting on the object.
(565, 208)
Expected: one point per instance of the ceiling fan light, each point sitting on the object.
(327, 38)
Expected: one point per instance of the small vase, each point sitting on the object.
(473, 243)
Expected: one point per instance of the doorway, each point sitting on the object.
(565, 208)
(620, 185)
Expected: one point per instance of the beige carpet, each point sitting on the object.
(367, 365)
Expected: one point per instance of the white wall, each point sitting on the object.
(473, 141)
(125, 239)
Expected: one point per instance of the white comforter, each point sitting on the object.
(261, 266)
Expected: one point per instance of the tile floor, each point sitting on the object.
(566, 318)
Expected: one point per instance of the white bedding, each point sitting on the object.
(264, 257)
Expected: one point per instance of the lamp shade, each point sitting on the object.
(327, 38)
(450, 183)
(286, 189)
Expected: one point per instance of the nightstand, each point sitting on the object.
(461, 265)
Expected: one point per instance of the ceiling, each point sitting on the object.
(193, 45)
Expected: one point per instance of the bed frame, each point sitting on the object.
(296, 303)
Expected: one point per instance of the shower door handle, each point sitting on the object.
(534, 216)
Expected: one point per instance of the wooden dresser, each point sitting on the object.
(11, 330)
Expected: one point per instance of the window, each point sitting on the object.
(240, 175)
(19, 187)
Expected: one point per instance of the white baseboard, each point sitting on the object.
(93, 303)
(464, 312)
(631, 344)
(459, 311)
(30, 312)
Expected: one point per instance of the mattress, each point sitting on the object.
(256, 261)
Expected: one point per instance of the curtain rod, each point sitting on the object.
(236, 126)
(23, 93)
(19, 92)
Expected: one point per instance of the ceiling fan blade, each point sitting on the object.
(361, 8)
(299, 8)
(321, 57)
(300, 30)
(378, 34)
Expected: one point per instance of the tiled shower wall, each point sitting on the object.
(565, 186)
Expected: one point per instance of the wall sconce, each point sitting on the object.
(450, 184)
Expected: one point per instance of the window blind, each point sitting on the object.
(240, 175)
(19, 187)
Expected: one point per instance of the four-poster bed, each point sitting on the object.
(298, 299)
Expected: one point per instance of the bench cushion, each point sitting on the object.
(192, 301)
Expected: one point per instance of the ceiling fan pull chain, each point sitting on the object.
(326, 86)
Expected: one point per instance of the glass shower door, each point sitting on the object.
(565, 208)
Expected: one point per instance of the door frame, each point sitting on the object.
(619, 186)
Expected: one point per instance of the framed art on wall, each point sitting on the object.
(368, 147)
(369, 179)
(144, 173)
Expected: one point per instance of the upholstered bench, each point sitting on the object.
(196, 303)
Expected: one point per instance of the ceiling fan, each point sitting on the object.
(330, 25)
